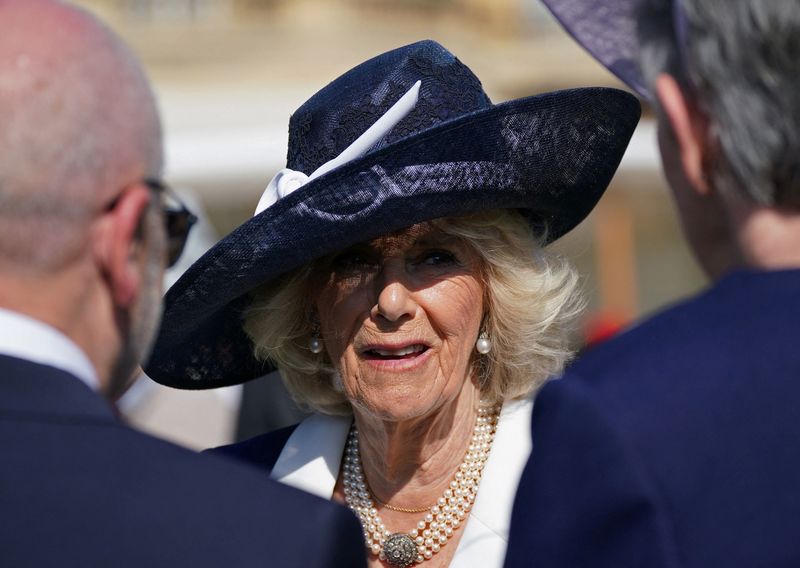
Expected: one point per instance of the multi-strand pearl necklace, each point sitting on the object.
(402, 549)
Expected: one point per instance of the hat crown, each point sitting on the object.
(334, 117)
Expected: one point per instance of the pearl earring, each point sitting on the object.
(315, 345)
(484, 344)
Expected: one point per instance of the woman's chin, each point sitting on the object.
(398, 408)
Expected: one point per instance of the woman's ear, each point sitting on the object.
(120, 247)
(689, 129)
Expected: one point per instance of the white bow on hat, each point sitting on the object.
(286, 181)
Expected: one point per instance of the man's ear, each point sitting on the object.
(689, 129)
(120, 247)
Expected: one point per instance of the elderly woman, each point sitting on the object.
(402, 290)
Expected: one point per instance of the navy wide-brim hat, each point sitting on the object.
(549, 156)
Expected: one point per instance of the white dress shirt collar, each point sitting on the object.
(312, 457)
(26, 338)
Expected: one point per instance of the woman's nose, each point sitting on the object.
(394, 301)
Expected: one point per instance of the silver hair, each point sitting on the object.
(71, 130)
(739, 65)
(532, 300)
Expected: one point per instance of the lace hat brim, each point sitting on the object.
(549, 156)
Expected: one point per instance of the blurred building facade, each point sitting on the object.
(229, 73)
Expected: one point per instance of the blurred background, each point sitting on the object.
(229, 73)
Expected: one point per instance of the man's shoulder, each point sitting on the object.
(86, 450)
(137, 444)
(50, 416)
(260, 451)
(154, 503)
(715, 357)
(659, 335)
(745, 316)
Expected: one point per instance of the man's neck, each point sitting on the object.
(67, 303)
(24, 337)
(769, 238)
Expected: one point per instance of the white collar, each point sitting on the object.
(312, 457)
(26, 338)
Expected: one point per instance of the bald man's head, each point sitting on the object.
(78, 123)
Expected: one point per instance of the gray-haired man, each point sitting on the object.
(678, 444)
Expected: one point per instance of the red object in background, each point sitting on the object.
(600, 327)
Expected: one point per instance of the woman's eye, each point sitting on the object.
(352, 261)
(437, 258)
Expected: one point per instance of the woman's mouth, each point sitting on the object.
(396, 353)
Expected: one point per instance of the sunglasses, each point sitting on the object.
(178, 220)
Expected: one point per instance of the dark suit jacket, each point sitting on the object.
(77, 488)
(677, 444)
(260, 451)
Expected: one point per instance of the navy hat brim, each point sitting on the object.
(607, 29)
(549, 156)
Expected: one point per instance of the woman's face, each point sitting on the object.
(399, 317)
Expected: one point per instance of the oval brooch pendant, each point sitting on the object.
(400, 550)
